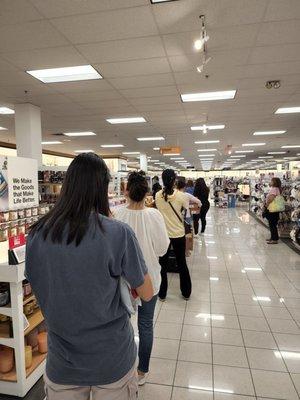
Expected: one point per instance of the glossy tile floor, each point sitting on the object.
(238, 337)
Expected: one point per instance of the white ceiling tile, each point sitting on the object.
(279, 32)
(52, 57)
(282, 9)
(183, 15)
(59, 8)
(150, 92)
(82, 86)
(123, 50)
(132, 68)
(142, 81)
(29, 35)
(110, 25)
(16, 11)
(159, 107)
(175, 99)
(100, 95)
(272, 69)
(273, 54)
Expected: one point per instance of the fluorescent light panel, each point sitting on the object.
(207, 127)
(244, 151)
(207, 96)
(203, 150)
(206, 155)
(2, 128)
(277, 152)
(253, 144)
(84, 151)
(66, 74)
(264, 133)
(161, 1)
(130, 152)
(241, 155)
(6, 110)
(207, 141)
(156, 148)
(146, 139)
(177, 158)
(287, 110)
(294, 146)
(52, 142)
(107, 146)
(130, 120)
(172, 154)
(74, 134)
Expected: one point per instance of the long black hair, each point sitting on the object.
(84, 192)
(168, 178)
(200, 188)
(137, 186)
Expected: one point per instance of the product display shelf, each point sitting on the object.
(20, 380)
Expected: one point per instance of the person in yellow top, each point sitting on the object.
(171, 202)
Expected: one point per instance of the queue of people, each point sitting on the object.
(91, 342)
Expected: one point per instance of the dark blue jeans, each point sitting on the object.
(145, 325)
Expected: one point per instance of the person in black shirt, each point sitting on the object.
(201, 191)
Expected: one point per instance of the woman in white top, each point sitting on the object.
(150, 230)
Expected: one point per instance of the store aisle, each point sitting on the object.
(239, 334)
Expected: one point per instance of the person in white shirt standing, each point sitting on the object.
(149, 227)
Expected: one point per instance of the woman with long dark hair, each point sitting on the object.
(149, 227)
(171, 202)
(75, 257)
(201, 191)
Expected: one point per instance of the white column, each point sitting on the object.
(28, 130)
(144, 162)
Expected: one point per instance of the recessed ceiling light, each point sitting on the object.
(6, 110)
(130, 120)
(205, 128)
(107, 146)
(149, 138)
(2, 128)
(172, 154)
(289, 158)
(179, 162)
(156, 148)
(241, 155)
(253, 144)
(204, 150)
(207, 141)
(65, 74)
(244, 151)
(206, 96)
(131, 152)
(206, 159)
(264, 133)
(206, 155)
(287, 110)
(277, 152)
(84, 151)
(177, 158)
(296, 146)
(79, 134)
(52, 142)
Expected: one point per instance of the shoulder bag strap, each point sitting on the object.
(177, 215)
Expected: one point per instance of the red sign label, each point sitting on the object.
(16, 241)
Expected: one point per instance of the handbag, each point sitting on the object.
(277, 205)
(187, 226)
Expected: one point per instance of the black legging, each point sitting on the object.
(273, 219)
(178, 245)
(203, 211)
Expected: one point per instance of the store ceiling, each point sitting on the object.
(145, 54)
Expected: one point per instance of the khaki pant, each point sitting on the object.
(124, 389)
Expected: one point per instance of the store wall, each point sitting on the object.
(48, 159)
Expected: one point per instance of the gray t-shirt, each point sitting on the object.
(90, 337)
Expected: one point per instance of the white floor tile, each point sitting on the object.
(162, 371)
(233, 380)
(266, 359)
(229, 355)
(275, 385)
(153, 391)
(191, 394)
(196, 352)
(193, 375)
(227, 336)
(165, 330)
(195, 333)
(165, 348)
(262, 340)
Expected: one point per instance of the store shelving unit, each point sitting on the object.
(20, 380)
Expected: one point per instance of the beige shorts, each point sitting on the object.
(124, 389)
